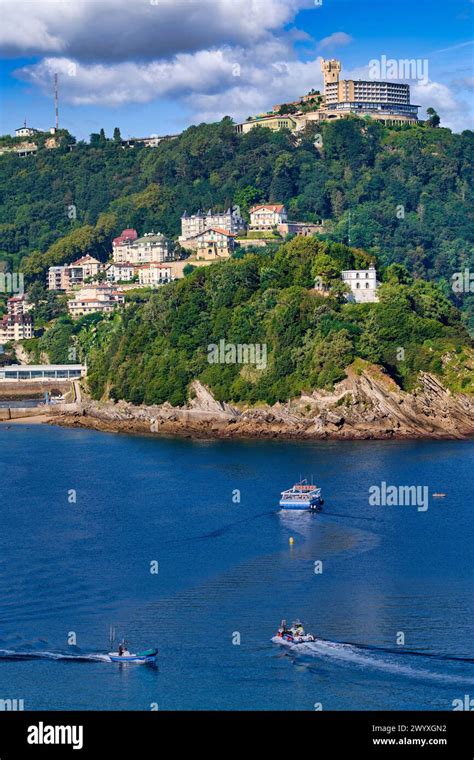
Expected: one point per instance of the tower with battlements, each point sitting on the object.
(331, 70)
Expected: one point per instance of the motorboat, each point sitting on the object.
(293, 634)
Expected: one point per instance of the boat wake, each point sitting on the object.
(10, 654)
(375, 658)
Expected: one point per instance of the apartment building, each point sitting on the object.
(91, 299)
(17, 305)
(128, 248)
(17, 323)
(153, 275)
(122, 272)
(121, 244)
(58, 278)
(67, 276)
(14, 327)
(84, 268)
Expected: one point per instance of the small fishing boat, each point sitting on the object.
(124, 655)
(302, 496)
(149, 656)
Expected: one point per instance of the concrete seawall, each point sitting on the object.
(37, 389)
(46, 411)
(13, 413)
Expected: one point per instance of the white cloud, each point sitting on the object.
(337, 39)
(455, 112)
(225, 81)
(119, 30)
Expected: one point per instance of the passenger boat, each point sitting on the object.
(302, 496)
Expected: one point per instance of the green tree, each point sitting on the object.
(433, 119)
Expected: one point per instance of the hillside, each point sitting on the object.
(409, 191)
(152, 351)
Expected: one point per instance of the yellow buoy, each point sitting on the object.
(292, 540)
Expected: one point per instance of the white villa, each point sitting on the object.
(363, 284)
(266, 216)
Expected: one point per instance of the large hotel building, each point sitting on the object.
(388, 102)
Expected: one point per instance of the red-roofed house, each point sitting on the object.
(215, 243)
(267, 215)
(128, 234)
(121, 245)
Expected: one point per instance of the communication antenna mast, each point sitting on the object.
(56, 101)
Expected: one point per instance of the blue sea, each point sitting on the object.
(181, 544)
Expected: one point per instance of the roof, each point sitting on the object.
(275, 207)
(84, 260)
(128, 234)
(216, 229)
(157, 237)
(154, 265)
(34, 367)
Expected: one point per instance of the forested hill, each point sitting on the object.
(409, 190)
(152, 350)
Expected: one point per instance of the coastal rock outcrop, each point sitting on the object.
(366, 404)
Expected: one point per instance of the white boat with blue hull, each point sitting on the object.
(124, 655)
(302, 496)
(141, 658)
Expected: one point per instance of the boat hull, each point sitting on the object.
(315, 506)
(289, 642)
(139, 659)
(301, 508)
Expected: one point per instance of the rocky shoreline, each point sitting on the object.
(367, 404)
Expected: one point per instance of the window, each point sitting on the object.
(358, 285)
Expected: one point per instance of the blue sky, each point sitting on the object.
(156, 66)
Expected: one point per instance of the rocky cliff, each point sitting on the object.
(366, 404)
